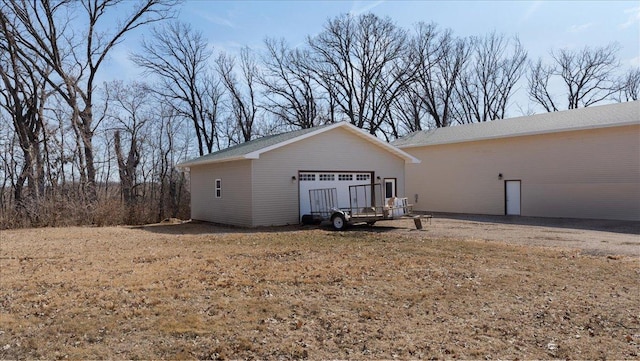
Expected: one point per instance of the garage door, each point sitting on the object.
(322, 180)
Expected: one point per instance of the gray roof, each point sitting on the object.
(253, 149)
(576, 119)
(241, 150)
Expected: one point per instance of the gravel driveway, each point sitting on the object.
(595, 237)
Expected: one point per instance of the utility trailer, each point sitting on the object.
(366, 205)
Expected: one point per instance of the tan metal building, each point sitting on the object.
(266, 181)
(582, 163)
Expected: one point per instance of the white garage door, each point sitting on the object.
(322, 180)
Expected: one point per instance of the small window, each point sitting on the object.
(218, 188)
(327, 177)
(345, 177)
(306, 177)
(363, 177)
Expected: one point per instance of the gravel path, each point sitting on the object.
(595, 237)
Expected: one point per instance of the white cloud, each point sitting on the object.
(217, 20)
(531, 10)
(579, 28)
(359, 7)
(635, 62)
(229, 47)
(633, 18)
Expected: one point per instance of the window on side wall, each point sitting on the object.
(218, 188)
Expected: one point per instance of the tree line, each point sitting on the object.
(77, 152)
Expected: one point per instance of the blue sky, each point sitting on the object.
(541, 25)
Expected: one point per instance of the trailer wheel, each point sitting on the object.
(338, 221)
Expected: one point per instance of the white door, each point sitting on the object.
(322, 180)
(512, 197)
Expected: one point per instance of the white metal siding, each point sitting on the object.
(275, 194)
(234, 206)
(579, 174)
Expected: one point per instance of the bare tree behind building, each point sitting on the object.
(361, 61)
(629, 86)
(441, 58)
(291, 92)
(487, 84)
(241, 82)
(581, 77)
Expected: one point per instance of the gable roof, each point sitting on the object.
(602, 116)
(253, 149)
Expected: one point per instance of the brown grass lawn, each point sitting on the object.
(197, 291)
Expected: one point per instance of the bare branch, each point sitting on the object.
(588, 76)
(486, 87)
(362, 62)
(179, 56)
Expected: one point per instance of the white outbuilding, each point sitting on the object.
(266, 181)
(581, 163)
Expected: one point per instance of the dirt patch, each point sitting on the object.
(175, 291)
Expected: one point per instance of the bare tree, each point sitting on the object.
(241, 87)
(7, 151)
(23, 97)
(586, 77)
(486, 86)
(180, 56)
(540, 78)
(171, 147)
(362, 63)
(130, 111)
(75, 55)
(441, 59)
(630, 86)
(409, 112)
(291, 93)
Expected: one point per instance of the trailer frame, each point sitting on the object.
(366, 205)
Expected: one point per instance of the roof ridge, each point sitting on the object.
(601, 116)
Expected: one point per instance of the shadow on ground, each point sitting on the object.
(200, 227)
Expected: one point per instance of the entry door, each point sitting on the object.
(389, 188)
(512, 197)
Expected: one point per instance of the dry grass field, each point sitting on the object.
(192, 291)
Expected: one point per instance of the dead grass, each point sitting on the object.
(162, 293)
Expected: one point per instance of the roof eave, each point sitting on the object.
(213, 161)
